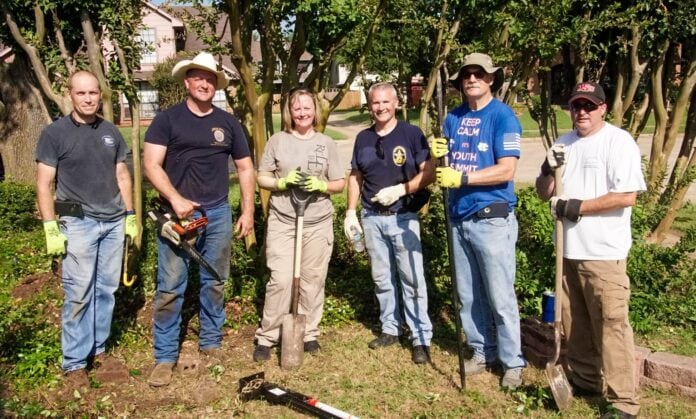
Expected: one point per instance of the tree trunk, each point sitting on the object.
(23, 118)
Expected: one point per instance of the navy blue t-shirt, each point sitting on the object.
(387, 161)
(197, 151)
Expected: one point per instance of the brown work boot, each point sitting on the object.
(161, 375)
(211, 356)
(75, 380)
(108, 369)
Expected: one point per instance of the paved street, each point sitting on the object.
(527, 170)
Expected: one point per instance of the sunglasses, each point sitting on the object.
(479, 74)
(379, 150)
(583, 105)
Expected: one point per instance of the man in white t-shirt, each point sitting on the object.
(601, 180)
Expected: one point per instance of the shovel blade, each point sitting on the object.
(292, 341)
(560, 387)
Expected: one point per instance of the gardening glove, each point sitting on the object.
(390, 194)
(313, 184)
(555, 157)
(439, 147)
(568, 208)
(131, 226)
(351, 222)
(55, 240)
(449, 178)
(292, 178)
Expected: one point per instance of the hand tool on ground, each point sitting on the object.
(255, 386)
(456, 304)
(184, 234)
(293, 327)
(127, 280)
(560, 387)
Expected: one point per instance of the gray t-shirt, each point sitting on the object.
(317, 156)
(85, 158)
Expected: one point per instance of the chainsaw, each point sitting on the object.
(182, 234)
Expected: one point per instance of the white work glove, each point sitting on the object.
(351, 222)
(555, 157)
(390, 194)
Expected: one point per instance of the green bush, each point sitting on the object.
(17, 208)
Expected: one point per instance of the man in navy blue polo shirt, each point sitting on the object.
(390, 169)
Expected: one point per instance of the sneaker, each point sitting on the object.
(474, 366)
(420, 354)
(512, 378)
(161, 375)
(262, 353)
(384, 339)
(211, 356)
(312, 347)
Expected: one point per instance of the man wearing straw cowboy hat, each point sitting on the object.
(186, 155)
(483, 149)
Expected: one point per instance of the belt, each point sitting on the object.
(383, 213)
(494, 210)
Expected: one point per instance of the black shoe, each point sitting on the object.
(583, 392)
(262, 353)
(384, 339)
(420, 354)
(312, 346)
(617, 414)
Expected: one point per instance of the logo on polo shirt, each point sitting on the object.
(399, 155)
(218, 136)
(109, 141)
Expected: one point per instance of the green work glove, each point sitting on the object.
(55, 240)
(449, 178)
(439, 147)
(314, 184)
(131, 227)
(292, 178)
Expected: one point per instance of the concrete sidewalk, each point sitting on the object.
(532, 154)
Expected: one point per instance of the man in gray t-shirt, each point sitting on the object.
(85, 156)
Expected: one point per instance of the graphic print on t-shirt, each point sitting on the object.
(317, 161)
(218, 136)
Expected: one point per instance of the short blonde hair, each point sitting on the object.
(382, 86)
(288, 123)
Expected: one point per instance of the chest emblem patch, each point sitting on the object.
(482, 147)
(109, 141)
(399, 155)
(218, 136)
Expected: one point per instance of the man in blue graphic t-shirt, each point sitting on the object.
(482, 142)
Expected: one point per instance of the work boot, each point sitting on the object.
(475, 365)
(76, 380)
(383, 340)
(312, 347)
(161, 375)
(262, 353)
(420, 354)
(512, 378)
(211, 356)
(615, 413)
(108, 369)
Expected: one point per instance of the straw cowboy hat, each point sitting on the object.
(486, 63)
(202, 61)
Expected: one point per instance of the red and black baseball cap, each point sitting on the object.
(589, 91)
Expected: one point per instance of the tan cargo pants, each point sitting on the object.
(599, 336)
(317, 245)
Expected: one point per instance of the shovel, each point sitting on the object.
(293, 327)
(560, 387)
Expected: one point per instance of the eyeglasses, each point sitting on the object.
(583, 105)
(379, 150)
(479, 74)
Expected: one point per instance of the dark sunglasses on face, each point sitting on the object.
(583, 105)
(379, 149)
(479, 74)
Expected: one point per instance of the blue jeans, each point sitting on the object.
(91, 274)
(394, 245)
(484, 255)
(172, 278)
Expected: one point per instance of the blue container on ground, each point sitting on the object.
(548, 309)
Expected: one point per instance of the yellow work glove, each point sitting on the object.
(55, 240)
(292, 178)
(450, 178)
(313, 184)
(439, 147)
(131, 226)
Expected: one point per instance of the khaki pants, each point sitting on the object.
(599, 336)
(317, 245)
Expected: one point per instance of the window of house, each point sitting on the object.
(220, 100)
(149, 53)
(149, 102)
